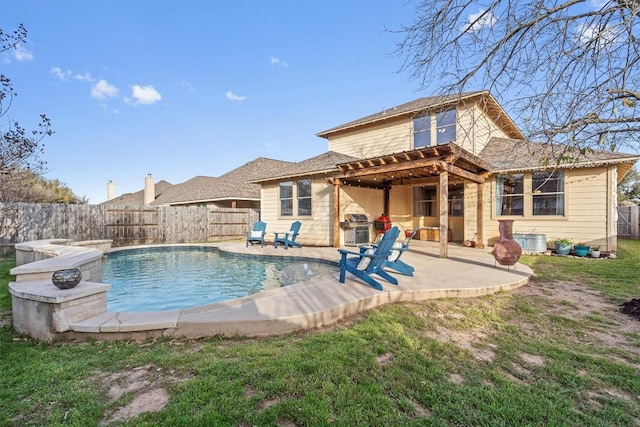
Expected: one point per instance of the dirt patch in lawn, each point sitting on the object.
(609, 327)
(141, 389)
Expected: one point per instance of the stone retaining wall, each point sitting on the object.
(40, 309)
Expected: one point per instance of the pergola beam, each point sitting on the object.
(377, 170)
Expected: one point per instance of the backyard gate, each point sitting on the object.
(628, 222)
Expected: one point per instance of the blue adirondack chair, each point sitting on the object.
(288, 238)
(393, 261)
(370, 261)
(256, 235)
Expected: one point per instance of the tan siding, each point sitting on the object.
(587, 206)
(475, 129)
(315, 231)
(470, 226)
(393, 137)
(400, 201)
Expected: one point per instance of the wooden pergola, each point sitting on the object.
(428, 165)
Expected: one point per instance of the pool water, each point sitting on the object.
(172, 278)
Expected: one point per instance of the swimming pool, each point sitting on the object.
(172, 278)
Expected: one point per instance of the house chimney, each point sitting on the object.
(111, 190)
(149, 190)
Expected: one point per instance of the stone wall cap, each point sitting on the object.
(46, 291)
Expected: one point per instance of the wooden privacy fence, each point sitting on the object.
(125, 225)
(628, 222)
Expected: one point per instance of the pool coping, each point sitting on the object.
(316, 303)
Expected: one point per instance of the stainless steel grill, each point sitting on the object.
(356, 229)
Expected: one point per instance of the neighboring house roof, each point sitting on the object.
(513, 155)
(323, 163)
(233, 185)
(137, 198)
(413, 108)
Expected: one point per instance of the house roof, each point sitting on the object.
(514, 155)
(418, 106)
(233, 185)
(137, 198)
(323, 163)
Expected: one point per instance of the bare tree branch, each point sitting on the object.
(567, 71)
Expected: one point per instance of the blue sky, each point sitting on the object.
(185, 88)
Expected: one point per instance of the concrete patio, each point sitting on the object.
(321, 301)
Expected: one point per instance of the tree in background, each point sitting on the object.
(569, 70)
(629, 188)
(28, 187)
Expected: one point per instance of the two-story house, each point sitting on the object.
(454, 164)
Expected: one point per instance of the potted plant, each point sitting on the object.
(595, 251)
(563, 245)
(581, 249)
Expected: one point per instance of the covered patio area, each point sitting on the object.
(435, 165)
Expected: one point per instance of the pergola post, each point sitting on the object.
(479, 217)
(336, 213)
(444, 214)
(387, 190)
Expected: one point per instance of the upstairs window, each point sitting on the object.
(444, 131)
(510, 194)
(548, 193)
(295, 196)
(446, 127)
(424, 201)
(422, 132)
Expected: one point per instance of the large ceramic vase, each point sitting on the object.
(506, 251)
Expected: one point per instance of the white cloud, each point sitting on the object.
(477, 21)
(102, 90)
(22, 54)
(146, 95)
(62, 75)
(233, 97)
(590, 33)
(86, 77)
(278, 62)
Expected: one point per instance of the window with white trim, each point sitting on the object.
(548, 193)
(510, 194)
(422, 131)
(443, 133)
(286, 198)
(303, 193)
(295, 198)
(446, 127)
(530, 194)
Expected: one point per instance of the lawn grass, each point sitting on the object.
(513, 359)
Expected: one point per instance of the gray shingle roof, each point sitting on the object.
(325, 162)
(514, 155)
(232, 185)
